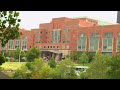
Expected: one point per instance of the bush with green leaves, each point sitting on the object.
(74, 56)
(83, 58)
(90, 56)
(65, 70)
(52, 63)
(32, 54)
(98, 68)
(9, 54)
(114, 67)
(30, 66)
(22, 73)
(2, 59)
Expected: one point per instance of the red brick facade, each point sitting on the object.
(70, 30)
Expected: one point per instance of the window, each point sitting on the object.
(53, 46)
(73, 47)
(38, 36)
(118, 42)
(66, 41)
(94, 41)
(37, 32)
(67, 47)
(24, 43)
(17, 43)
(67, 30)
(11, 44)
(56, 36)
(50, 46)
(108, 41)
(82, 42)
(67, 36)
(57, 46)
(44, 46)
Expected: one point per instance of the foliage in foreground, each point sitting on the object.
(40, 69)
(2, 59)
(32, 54)
(98, 68)
(114, 67)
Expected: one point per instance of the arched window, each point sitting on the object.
(82, 42)
(11, 44)
(94, 42)
(24, 43)
(108, 41)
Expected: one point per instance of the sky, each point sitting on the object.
(32, 19)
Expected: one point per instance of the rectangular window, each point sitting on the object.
(67, 47)
(56, 36)
(66, 41)
(94, 42)
(108, 41)
(38, 36)
(67, 36)
(118, 44)
(82, 44)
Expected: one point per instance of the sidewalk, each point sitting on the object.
(3, 76)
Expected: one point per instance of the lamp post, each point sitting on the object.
(19, 55)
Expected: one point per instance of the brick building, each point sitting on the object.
(63, 35)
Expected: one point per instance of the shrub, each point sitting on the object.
(2, 59)
(30, 66)
(52, 63)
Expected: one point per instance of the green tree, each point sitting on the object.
(52, 63)
(32, 54)
(90, 56)
(65, 70)
(98, 68)
(40, 69)
(2, 59)
(10, 54)
(17, 53)
(83, 58)
(9, 26)
(74, 56)
(22, 73)
(30, 66)
(114, 67)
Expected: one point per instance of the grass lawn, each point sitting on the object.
(12, 65)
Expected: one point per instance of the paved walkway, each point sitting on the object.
(3, 76)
